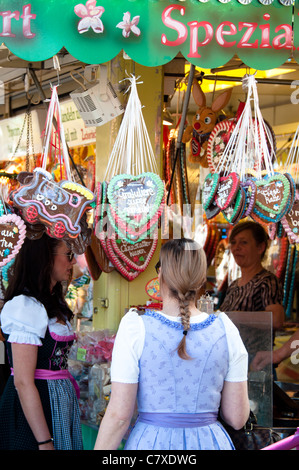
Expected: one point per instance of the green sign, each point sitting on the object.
(152, 32)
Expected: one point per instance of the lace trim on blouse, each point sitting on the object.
(175, 324)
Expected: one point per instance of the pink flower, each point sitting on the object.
(127, 25)
(90, 15)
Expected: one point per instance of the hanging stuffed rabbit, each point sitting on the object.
(203, 123)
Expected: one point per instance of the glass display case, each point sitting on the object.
(256, 332)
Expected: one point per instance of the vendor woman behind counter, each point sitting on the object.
(257, 289)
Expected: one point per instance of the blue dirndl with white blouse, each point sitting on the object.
(58, 395)
(178, 400)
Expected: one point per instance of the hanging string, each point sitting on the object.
(248, 146)
(291, 165)
(54, 112)
(132, 152)
(29, 135)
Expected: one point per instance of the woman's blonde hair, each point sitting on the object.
(183, 271)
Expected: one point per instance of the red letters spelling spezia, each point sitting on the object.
(26, 16)
(225, 30)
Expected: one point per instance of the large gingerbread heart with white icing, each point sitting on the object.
(134, 233)
(272, 198)
(13, 233)
(136, 199)
(227, 190)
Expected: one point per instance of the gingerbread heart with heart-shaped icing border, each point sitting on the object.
(135, 199)
(131, 232)
(272, 198)
(217, 142)
(138, 255)
(227, 190)
(13, 233)
(122, 266)
(209, 189)
(125, 270)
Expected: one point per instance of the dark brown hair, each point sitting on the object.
(258, 233)
(183, 271)
(31, 276)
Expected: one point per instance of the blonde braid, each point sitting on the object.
(183, 272)
(184, 301)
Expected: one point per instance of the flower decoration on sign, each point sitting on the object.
(90, 15)
(129, 26)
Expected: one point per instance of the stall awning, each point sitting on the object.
(263, 33)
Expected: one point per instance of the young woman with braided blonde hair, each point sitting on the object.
(183, 365)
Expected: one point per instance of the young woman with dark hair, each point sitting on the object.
(183, 365)
(39, 407)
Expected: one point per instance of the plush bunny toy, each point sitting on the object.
(203, 123)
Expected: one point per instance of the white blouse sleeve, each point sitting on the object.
(127, 349)
(25, 320)
(238, 356)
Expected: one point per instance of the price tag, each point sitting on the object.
(81, 354)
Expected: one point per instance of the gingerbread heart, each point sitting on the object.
(290, 222)
(217, 142)
(130, 235)
(209, 189)
(13, 233)
(212, 210)
(136, 199)
(138, 255)
(273, 197)
(131, 232)
(250, 188)
(235, 211)
(272, 230)
(292, 188)
(122, 267)
(126, 271)
(227, 190)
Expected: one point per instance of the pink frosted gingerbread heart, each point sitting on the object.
(13, 233)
